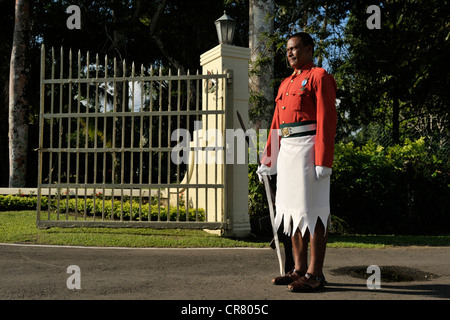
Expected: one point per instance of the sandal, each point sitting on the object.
(307, 283)
(290, 277)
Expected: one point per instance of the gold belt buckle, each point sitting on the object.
(285, 132)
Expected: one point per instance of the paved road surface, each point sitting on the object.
(40, 273)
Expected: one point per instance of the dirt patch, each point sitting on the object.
(388, 273)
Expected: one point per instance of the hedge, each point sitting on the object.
(18, 202)
(402, 189)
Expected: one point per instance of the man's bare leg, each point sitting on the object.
(300, 251)
(318, 247)
(300, 254)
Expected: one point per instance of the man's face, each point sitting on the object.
(297, 54)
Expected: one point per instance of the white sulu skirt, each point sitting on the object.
(300, 198)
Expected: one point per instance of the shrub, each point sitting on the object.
(98, 208)
(400, 189)
(257, 201)
(131, 208)
(20, 202)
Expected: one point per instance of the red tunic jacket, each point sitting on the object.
(300, 100)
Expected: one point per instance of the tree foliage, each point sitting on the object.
(392, 78)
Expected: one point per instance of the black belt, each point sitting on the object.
(297, 129)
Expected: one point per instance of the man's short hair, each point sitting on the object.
(306, 39)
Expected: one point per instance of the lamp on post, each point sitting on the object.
(225, 29)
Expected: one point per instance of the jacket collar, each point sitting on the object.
(307, 66)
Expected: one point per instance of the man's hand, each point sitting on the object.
(322, 172)
(264, 170)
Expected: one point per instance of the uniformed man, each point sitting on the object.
(304, 125)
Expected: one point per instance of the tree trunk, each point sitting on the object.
(18, 104)
(261, 62)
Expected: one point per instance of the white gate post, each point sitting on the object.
(236, 59)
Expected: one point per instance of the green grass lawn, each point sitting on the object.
(20, 227)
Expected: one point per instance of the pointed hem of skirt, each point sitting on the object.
(293, 219)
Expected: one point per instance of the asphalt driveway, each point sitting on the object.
(41, 273)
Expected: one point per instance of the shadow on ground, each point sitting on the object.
(419, 290)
